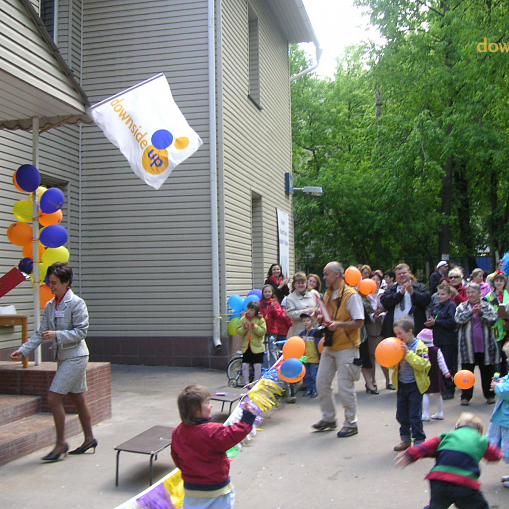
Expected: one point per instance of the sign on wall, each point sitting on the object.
(283, 229)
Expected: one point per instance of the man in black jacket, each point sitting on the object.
(405, 298)
(434, 279)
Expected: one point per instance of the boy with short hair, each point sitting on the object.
(454, 478)
(312, 356)
(410, 378)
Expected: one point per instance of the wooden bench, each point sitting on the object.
(152, 442)
(228, 396)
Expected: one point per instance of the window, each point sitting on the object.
(254, 57)
(48, 13)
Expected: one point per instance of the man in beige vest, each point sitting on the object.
(346, 320)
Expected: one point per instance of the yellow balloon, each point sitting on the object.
(56, 254)
(23, 210)
(43, 269)
(40, 191)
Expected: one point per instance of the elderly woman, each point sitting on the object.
(456, 280)
(65, 323)
(476, 340)
(301, 300)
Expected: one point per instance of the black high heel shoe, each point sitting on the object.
(82, 449)
(368, 391)
(52, 456)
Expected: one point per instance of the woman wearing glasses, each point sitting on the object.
(456, 279)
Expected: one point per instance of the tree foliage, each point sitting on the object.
(409, 141)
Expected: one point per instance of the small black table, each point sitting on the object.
(152, 442)
(228, 396)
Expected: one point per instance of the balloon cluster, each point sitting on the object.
(52, 235)
(292, 369)
(353, 277)
(239, 305)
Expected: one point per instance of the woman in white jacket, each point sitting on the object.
(65, 323)
(301, 300)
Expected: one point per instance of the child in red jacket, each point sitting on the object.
(198, 448)
(271, 311)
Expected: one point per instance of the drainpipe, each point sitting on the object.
(214, 229)
(318, 55)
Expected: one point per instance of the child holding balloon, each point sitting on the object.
(410, 377)
(498, 432)
(252, 328)
(312, 356)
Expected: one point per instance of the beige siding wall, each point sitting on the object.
(257, 144)
(146, 254)
(58, 163)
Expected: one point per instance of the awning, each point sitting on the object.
(35, 81)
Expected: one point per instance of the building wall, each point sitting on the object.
(146, 254)
(257, 149)
(58, 165)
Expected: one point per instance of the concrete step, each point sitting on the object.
(13, 408)
(32, 433)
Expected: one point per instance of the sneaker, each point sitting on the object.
(464, 402)
(490, 401)
(425, 417)
(314, 394)
(438, 416)
(324, 425)
(347, 432)
(402, 446)
(307, 393)
(506, 484)
(505, 478)
(291, 399)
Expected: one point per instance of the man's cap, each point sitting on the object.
(305, 315)
(442, 263)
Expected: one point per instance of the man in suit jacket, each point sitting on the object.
(405, 298)
(434, 279)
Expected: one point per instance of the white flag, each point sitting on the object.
(146, 125)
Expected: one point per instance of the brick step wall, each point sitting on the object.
(23, 391)
(31, 434)
(17, 407)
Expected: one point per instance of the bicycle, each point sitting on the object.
(234, 369)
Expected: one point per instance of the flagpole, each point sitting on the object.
(123, 92)
(35, 232)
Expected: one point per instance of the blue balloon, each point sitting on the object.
(235, 302)
(256, 292)
(52, 200)
(28, 178)
(26, 265)
(291, 368)
(248, 299)
(54, 235)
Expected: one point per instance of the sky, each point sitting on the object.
(337, 24)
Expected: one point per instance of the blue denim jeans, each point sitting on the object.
(409, 412)
(310, 376)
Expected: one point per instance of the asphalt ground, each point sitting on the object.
(286, 465)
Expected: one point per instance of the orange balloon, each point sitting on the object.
(353, 276)
(366, 286)
(45, 295)
(294, 348)
(464, 379)
(296, 379)
(49, 219)
(389, 352)
(15, 182)
(28, 250)
(321, 346)
(20, 234)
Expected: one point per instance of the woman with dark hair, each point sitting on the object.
(276, 279)
(65, 323)
(389, 278)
